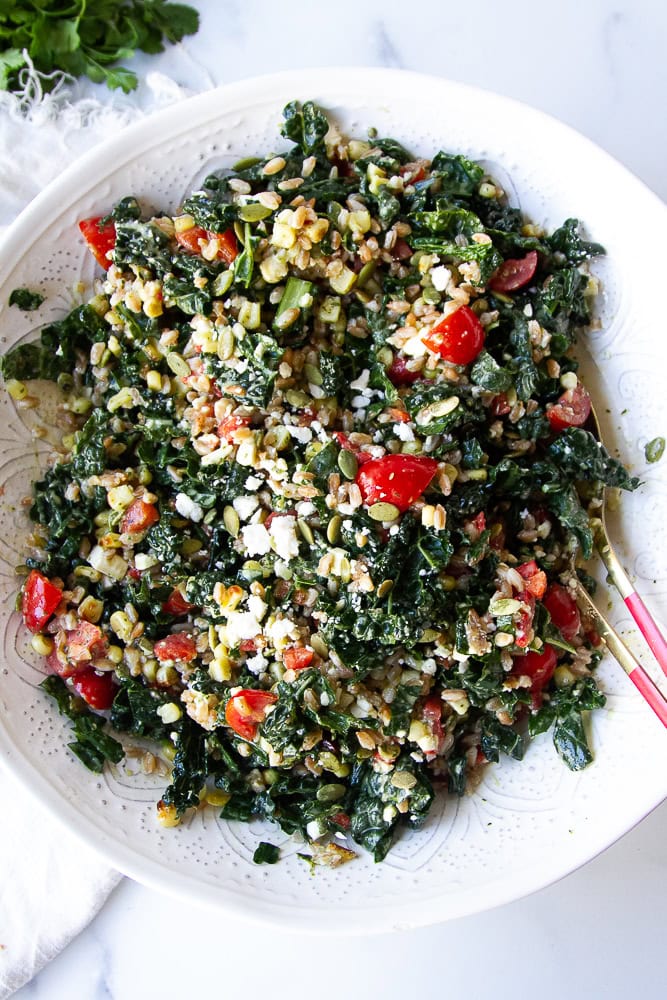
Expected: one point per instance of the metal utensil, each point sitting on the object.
(620, 578)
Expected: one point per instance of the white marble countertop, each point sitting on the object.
(601, 68)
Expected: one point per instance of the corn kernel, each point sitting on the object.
(120, 497)
(171, 712)
(121, 625)
(115, 654)
(216, 797)
(114, 345)
(182, 223)
(167, 815)
(42, 644)
(16, 389)
(91, 609)
(154, 380)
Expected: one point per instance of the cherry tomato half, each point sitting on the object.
(563, 611)
(343, 440)
(514, 274)
(40, 599)
(139, 516)
(176, 604)
(297, 658)
(176, 647)
(97, 690)
(572, 409)
(81, 645)
(227, 245)
(538, 666)
(458, 338)
(246, 710)
(536, 579)
(101, 238)
(396, 479)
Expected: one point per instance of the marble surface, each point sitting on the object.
(600, 67)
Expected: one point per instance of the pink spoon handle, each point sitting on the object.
(648, 628)
(650, 693)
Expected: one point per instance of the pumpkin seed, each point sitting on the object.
(330, 793)
(504, 606)
(246, 162)
(333, 529)
(319, 645)
(383, 511)
(313, 374)
(222, 283)
(231, 521)
(226, 344)
(432, 296)
(347, 463)
(438, 409)
(366, 272)
(252, 570)
(297, 398)
(403, 779)
(178, 364)
(306, 531)
(385, 587)
(254, 212)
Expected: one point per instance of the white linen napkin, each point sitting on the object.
(51, 886)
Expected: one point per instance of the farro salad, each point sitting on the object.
(305, 548)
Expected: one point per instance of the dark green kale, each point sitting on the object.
(567, 240)
(25, 299)
(93, 746)
(563, 711)
(306, 126)
(58, 347)
(372, 823)
(266, 854)
(487, 373)
(190, 766)
(579, 454)
(134, 709)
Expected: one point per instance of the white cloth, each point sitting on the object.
(50, 884)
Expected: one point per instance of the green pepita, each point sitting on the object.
(383, 511)
(333, 529)
(440, 408)
(178, 364)
(254, 212)
(319, 645)
(313, 374)
(330, 793)
(297, 398)
(306, 531)
(222, 283)
(367, 271)
(347, 463)
(226, 344)
(231, 521)
(385, 587)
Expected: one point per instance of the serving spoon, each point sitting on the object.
(620, 579)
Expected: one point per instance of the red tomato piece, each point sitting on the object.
(399, 416)
(246, 710)
(101, 238)
(176, 604)
(479, 522)
(538, 666)
(297, 658)
(176, 647)
(84, 642)
(396, 479)
(230, 425)
(40, 599)
(139, 516)
(399, 374)
(228, 249)
(96, 689)
(514, 274)
(572, 409)
(458, 338)
(342, 820)
(248, 645)
(563, 611)
(536, 579)
(500, 406)
(523, 621)
(432, 712)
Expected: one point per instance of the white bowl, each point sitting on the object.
(528, 824)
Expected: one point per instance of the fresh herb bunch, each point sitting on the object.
(87, 37)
